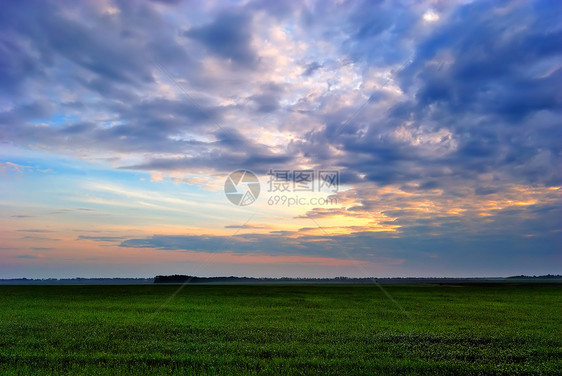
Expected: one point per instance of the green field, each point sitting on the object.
(506, 329)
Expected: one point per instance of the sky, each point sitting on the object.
(386, 138)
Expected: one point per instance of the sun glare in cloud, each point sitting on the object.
(430, 16)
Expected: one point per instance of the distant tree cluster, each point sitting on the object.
(547, 276)
(179, 278)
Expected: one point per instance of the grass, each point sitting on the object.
(503, 329)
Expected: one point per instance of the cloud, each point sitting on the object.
(437, 129)
(102, 238)
(463, 96)
(248, 226)
(30, 257)
(40, 238)
(491, 248)
(34, 230)
(231, 150)
(9, 166)
(228, 36)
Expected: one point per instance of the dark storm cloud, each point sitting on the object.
(495, 95)
(16, 65)
(374, 27)
(267, 98)
(484, 90)
(228, 36)
(108, 61)
(111, 56)
(492, 75)
(272, 244)
(231, 150)
(496, 245)
(48, 37)
(311, 68)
